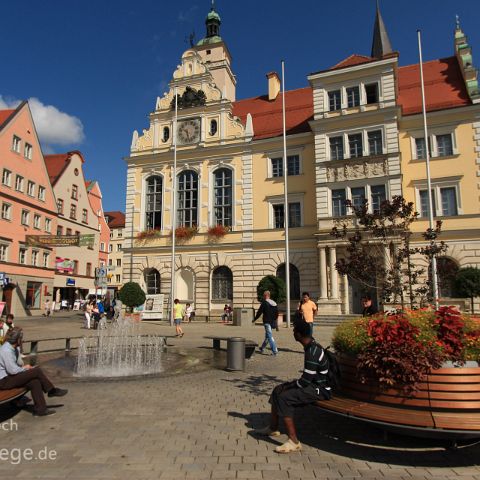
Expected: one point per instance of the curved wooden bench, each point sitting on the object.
(9, 395)
(446, 405)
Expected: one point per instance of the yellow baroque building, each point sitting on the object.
(354, 133)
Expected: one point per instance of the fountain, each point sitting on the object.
(120, 351)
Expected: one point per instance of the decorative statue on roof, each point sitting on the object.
(189, 98)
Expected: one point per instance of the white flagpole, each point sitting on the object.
(285, 199)
(174, 207)
(429, 181)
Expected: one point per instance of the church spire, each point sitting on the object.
(212, 22)
(381, 43)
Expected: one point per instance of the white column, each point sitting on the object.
(333, 273)
(323, 273)
(346, 296)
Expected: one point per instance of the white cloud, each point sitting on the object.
(53, 126)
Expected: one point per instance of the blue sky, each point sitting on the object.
(101, 64)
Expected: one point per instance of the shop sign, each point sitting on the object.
(52, 240)
(70, 282)
(64, 266)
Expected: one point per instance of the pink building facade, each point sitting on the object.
(28, 207)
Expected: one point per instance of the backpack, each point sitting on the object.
(334, 374)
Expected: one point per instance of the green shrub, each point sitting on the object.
(276, 287)
(132, 295)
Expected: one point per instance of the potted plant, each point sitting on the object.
(277, 288)
(393, 358)
(217, 232)
(146, 234)
(132, 296)
(183, 234)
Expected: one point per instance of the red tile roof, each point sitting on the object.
(4, 115)
(57, 163)
(267, 115)
(353, 60)
(444, 86)
(116, 219)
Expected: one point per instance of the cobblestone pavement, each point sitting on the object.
(197, 426)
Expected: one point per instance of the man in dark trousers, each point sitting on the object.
(309, 388)
(31, 378)
(268, 308)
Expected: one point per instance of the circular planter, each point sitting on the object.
(447, 388)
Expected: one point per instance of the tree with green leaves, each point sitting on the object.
(379, 251)
(276, 287)
(467, 283)
(132, 295)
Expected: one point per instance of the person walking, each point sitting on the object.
(312, 386)
(47, 308)
(177, 317)
(308, 309)
(269, 310)
(88, 315)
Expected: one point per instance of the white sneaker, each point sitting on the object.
(289, 447)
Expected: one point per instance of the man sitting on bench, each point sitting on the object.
(308, 389)
(31, 378)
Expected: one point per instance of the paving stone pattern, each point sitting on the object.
(198, 426)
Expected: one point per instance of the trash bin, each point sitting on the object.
(236, 354)
(243, 317)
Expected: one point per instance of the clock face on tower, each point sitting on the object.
(188, 131)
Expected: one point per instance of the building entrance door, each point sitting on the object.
(7, 298)
(356, 291)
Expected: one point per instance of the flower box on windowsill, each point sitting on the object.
(217, 232)
(183, 234)
(147, 234)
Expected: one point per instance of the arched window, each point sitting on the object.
(446, 271)
(153, 203)
(152, 281)
(213, 127)
(187, 199)
(222, 284)
(222, 192)
(294, 280)
(166, 134)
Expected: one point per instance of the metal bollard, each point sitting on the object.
(236, 354)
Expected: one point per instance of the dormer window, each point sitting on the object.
(213, 127)
(335, 100)
(353, 97)
(166, 134)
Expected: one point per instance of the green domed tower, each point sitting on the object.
(212, 23)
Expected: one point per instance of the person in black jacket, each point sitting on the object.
(269, 310)
(312, 386)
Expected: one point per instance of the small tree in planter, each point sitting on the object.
(467, 283)
(276, 287)
(132, 295)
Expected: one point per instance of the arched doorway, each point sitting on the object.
(185, 285)
(447, 270)
(294, 279)
(152, 281)
(222, 285)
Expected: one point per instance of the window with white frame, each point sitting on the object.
(41, 193)
(374, 195)
(30, 188)
(118, 278)
(60, 206)
(294, 215)
(35, 258)
(371, 93)
(335, 100)
(102, 246)
(293, 165)
(19, 183)
(74, 192)
(339, 197)
(355, 143)
(3, 252)
(73, 211)
(119, 233)
(27, 152)
(22, 256)
(445, 200)
(378, 195)
(48, 225)
(36, 221)
(119, 262)
(223, 197)
(353, 96)
(25, 217)
(336, 148)
(6, 177)
(119, 247)
(187, 212)
(153, 202)
(46, 259)
(439, 144)
(84, 215)
(16, 143)
(358, 196)
(110, 248)
(375, 144)
(110, 262)
(6, 211)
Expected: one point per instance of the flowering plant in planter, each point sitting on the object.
(217, 232)
(148, 233)
(399, 350)
(185, 233)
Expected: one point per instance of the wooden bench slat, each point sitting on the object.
(454, 421)
(12, 394)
